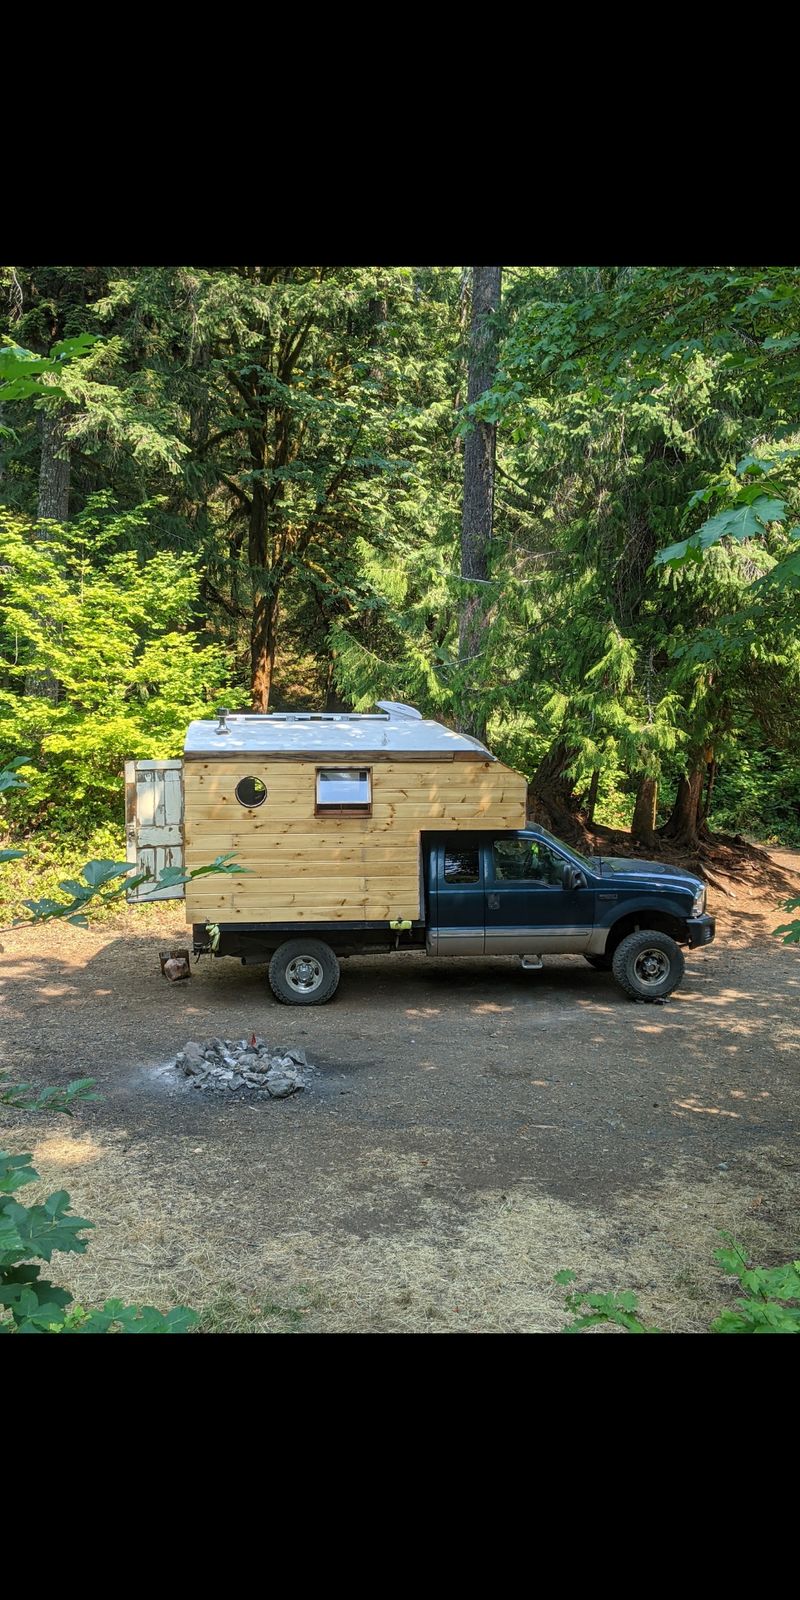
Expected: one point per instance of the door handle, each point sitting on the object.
(494, 902)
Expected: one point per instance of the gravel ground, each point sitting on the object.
(474, 1129)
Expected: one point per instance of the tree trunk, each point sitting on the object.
(643, 826)
(478, 509)
(591, 798)
(263, 639)
(711, 780)
(551, 800)
(264, 617)
(54, 468)
(683, 824)
(378, 311)
(53, 506)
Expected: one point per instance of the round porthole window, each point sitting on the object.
(251, 792)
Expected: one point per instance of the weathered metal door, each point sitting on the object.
(154, 822)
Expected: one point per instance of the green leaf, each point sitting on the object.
(146, 1319)
(745, 521)
(69, 349)
(788, 341)
(40, 1230)
(15, 1171)
(731, 1258)
(784, 575)
(80, 1089)
(98, 873)
(9, 780)
(775, 1283)
(758, 1316)
(565, 1276)
(25, 1294)
(221, 864)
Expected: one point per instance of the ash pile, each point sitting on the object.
(231, 1065)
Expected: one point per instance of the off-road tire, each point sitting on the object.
(633, 952)
(600, 963)
(310, 954)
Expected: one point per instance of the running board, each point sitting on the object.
(531, 963)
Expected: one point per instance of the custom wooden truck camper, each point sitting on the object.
(389, 832)
(327, 811)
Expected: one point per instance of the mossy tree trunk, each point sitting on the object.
(643, 826)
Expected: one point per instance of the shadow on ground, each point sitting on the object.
(474, 1129)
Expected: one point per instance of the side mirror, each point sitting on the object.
(572, 877)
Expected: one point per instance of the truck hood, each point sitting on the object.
(633, 867)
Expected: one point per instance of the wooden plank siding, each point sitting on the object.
(305, 868)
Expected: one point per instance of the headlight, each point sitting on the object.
(699, 902)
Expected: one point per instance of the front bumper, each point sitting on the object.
(701, 930)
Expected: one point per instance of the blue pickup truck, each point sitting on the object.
(530, 895)
(520, 893)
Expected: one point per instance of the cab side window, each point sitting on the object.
(527, 860)
(461, 866)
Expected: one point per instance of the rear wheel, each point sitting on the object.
(600, 963)
(304, 972)
(648, 965)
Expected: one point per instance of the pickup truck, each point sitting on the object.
(521, 893)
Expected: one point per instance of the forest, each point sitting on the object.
(554, 507)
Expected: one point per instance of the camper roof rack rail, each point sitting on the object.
(388, 711)
(307, 716)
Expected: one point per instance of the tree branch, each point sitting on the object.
(212, 593)
(235, 489)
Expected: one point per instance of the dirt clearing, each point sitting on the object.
(475, 1128)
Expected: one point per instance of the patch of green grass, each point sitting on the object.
(687, 1283)
(230, 1312)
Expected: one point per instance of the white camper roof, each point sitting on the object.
(396, 730)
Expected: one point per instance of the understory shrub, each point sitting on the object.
(770, 1304)
(115, 639)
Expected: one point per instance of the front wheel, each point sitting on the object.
(304, 972)
(648, 965)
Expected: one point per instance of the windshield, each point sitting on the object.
(574, 855)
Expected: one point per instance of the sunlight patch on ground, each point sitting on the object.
(65, 1150)
(708, 1111)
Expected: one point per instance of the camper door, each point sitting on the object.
(154, 822)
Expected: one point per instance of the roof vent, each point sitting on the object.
(393, 708)
(222, 726)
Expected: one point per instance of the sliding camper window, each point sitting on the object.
(344, 791)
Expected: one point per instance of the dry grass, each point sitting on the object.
(486, 1269)
(178, 1219)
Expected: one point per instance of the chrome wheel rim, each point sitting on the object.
(304, 974)
(651, 967)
